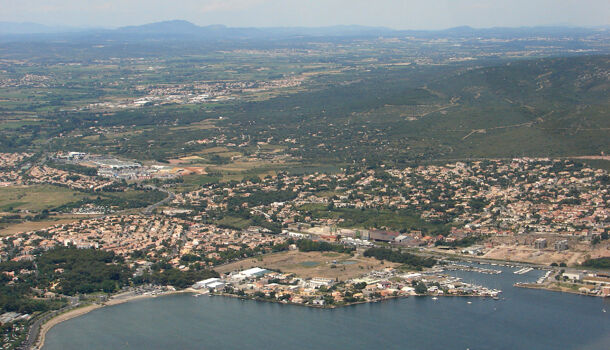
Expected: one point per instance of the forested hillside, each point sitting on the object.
(543, 107)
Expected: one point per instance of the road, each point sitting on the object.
(170, 196)
(34, 329)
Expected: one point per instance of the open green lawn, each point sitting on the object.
(234, 222)
(37, 197)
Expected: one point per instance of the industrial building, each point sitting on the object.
(210, 283)
(540, 243)
(382, 236)
(254, 272)
(561, 245)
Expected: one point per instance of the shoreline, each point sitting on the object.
(558, 290)
(117, 300)
(45, 327)
(83, 310)
(337, 306)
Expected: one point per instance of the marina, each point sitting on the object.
(523, 271)
(462, 267)
(543, 277)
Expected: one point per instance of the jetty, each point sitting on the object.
(523, 271)
(455, 267)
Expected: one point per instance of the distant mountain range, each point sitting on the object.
(185, 29)
(180, 28)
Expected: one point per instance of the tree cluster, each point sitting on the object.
(399, 257)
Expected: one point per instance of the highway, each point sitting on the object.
(170, 196)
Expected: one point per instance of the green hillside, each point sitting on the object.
(374, 114)
(543, 107)
(553, 107)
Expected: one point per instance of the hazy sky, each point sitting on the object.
(399, 14)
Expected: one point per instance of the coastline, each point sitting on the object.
(82, 310)
(45, 327)
(336, 306)
(554, 289)
(119, 299)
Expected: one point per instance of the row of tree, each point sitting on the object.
(599, 263)
(399, 257)
(306, 245)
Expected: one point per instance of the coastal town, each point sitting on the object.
(322, 240)
(539, 209)
(299, 178)
(451, 185)
(376, 285)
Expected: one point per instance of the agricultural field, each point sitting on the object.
(37, 197)
(10, 229)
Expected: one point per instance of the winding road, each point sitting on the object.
(170, 196)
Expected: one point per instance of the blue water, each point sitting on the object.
(524, 319)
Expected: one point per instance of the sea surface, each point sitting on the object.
(522, 319)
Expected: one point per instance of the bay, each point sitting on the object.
(523, 319)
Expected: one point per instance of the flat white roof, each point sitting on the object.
(253, 271)
(215, 284)
(209, 280)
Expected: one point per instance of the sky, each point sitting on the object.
(397, 14)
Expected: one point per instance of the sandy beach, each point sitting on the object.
(115, 300)
(61, 318)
